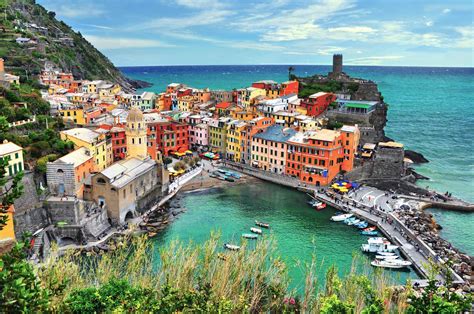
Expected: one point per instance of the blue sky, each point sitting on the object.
(383, 32)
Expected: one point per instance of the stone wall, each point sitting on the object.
(96, 223)
(388, 163)
(30, 220)
(150, 199)
(30, 197)
(67, 209)
(58, 174)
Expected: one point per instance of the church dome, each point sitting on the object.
(135, 115)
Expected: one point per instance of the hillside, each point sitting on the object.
(50, 40)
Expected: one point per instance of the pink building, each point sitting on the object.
(269, 148)
(198, 132)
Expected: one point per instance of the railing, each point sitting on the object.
(181, 180)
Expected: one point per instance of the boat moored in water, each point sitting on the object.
(251, 236)
(341, 217)
(256, 230)
(362, 225)
(392, 263)
(262, 224)
(231, 247)
(369, 233)
(353, 222)
(378, 244)
(386, 257)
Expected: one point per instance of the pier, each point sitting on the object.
(411, 246)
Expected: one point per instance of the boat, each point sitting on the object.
(262, 224)
(353, 222)
(376, 245)
(370, 229)
(386, 253)
(341, 217)
(212, 175)
(386, 257)
(222, 171)
(251, 236)
(235, 175)
(256, 230)
(348, 220)
(390, 263)
(369, 233)
(362, 225)
(231, 247)
(230, 179)
(319, 205)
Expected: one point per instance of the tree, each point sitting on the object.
(8, 195)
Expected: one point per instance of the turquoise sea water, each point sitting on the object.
(299, 230)
(431, 111)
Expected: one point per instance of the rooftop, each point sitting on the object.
(77, 157)
(8, 148)
(83, 134)
(276, 133)
(319, 94)
(125, 171)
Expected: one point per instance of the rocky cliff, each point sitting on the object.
(44, 38)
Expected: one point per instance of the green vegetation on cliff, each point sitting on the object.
(56, 43)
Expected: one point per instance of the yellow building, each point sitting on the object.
(75, 115)
(234, 140)
(248, 94)
(14, 154)
(92, 86)
(135, 132)
(218, 134)
(244, 115)
(284, 118)
(93, 141)
(7, 233)
(186, 103)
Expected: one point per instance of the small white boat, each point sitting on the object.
(231, 247)
(391, 263)
(250, 236)
(341, 217)
(353, 222)
(386, 253)
(256, 230)
(386, 257)
(377, 245)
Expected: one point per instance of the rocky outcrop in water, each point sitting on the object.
(416, 157)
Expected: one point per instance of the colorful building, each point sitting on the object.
(14, 154)
(269, 148)
(95, 142)
(218, 134)
(248, 95)
(253, 127)
(74, 115)
(223, 108)
(7, 233)
(316, 157)
(66, 175)
(234, 140)
(317, 103)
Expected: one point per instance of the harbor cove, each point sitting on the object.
(299, 231)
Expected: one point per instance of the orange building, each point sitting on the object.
(253, 127)
(316, 157)
(7, 234)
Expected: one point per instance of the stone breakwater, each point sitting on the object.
(423, 225)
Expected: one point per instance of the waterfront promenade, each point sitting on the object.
(376, 210)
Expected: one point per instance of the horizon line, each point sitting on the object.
(297, 64)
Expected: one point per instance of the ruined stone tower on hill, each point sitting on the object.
(337, 64)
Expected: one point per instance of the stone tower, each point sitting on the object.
(337, 64)
(135, 131)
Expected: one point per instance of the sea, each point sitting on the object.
(431, 111)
